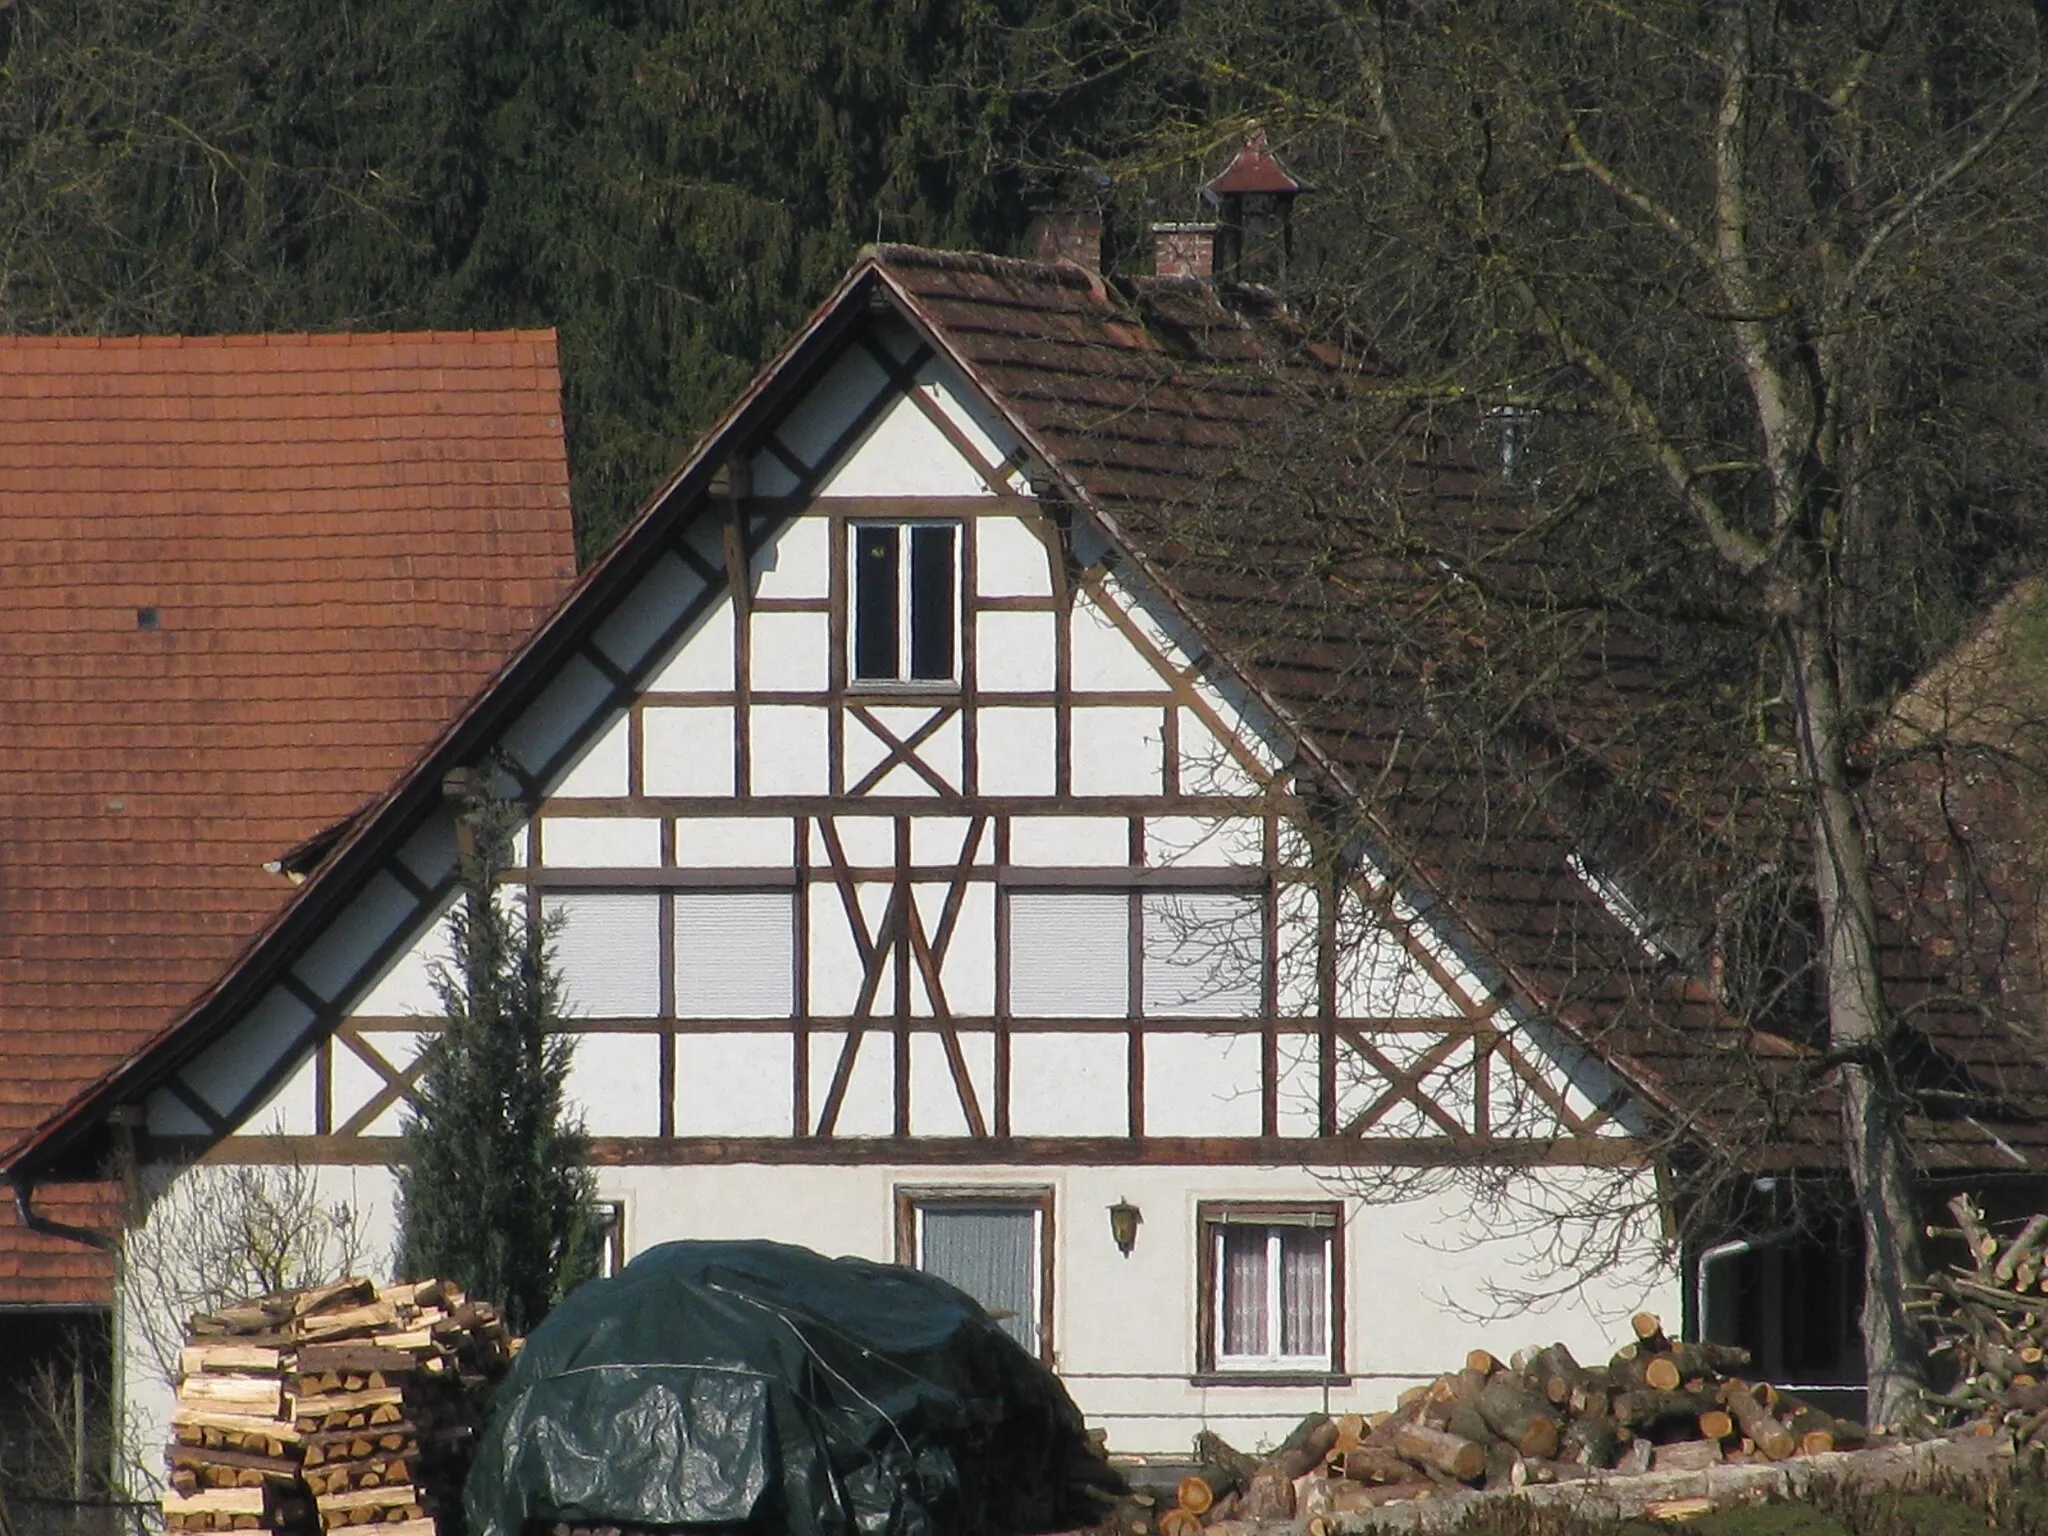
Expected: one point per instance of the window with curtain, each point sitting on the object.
(992, 1248)
(1272, 1288)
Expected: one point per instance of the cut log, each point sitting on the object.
(1372, 1464)
(1519, 1416)
(233, 1394)
(1697, 1360)
(217, 1501)
(1451, 1454)
(1350, 1430)
(195, 1359)
(1686, 1456)
(1768, 1434)
(1554, 1373)
(1647, 1409)
(1230, 1464)
(1716, 1424)
(1481, 1361)
(377, 1356)
(1306, 1445)
(1649, 1331)
(1180, 1522)
(1268, 1496)
(329, 1325)
(1661, 1373)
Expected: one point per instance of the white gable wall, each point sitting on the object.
(887, 845)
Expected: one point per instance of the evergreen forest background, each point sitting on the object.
(673, 185)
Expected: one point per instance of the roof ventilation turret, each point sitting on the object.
(1254, 201)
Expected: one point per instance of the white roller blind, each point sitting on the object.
(735, 954)
(1204, 954)
(990, 1252)
(1070, 955)
(609, 951)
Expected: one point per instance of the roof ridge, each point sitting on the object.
(1065, 273)
(177, 340)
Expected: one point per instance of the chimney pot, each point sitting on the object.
(1184, 250)
(1070, 235)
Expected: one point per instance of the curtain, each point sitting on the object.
(1242, 1306)
(1304, 1291)
(991, 1253)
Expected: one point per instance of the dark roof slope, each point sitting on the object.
(1169, 411)
(243, 581)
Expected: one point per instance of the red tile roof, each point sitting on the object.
(244, 581)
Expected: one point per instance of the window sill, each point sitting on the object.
(1257, 1378)
(899, 687)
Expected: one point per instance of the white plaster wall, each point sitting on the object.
(1124, 1328)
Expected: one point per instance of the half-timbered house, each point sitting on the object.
(941, 834)
(934, 887)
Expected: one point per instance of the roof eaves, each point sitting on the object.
(386, 823)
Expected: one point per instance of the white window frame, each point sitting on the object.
(611, 1238)
(905, 611)
(1217, 1219)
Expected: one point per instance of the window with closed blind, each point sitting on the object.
(735, 954)
(1200, 954)
(608, 952)
(1070, 955)
(1271, 1283)
(994, 1244)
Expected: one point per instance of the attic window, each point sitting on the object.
(147, 618)
(905, 607)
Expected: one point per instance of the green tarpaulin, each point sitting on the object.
(760, 1386)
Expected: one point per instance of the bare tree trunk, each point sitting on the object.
(1858, 1032)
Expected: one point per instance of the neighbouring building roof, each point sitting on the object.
(244, 581)
(1156, 405)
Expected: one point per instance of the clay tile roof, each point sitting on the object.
(244, 581)
(1155, 399)
(1255, 170)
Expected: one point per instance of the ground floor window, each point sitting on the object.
(609, 1217)
(994, 1244)
(1270, 1278)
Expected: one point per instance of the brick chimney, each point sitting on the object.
(1071, 235)
(1184, 250)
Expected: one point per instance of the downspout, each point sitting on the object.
(24, 1207)
(1732, 1249)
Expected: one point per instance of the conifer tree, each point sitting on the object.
(493, 1191)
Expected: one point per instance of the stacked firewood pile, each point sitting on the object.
(348, 1404)
(1990, 1318)
(1659, 1404)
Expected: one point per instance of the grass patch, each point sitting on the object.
(2012, 1505)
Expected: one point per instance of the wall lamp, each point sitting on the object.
(1123, 1225)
